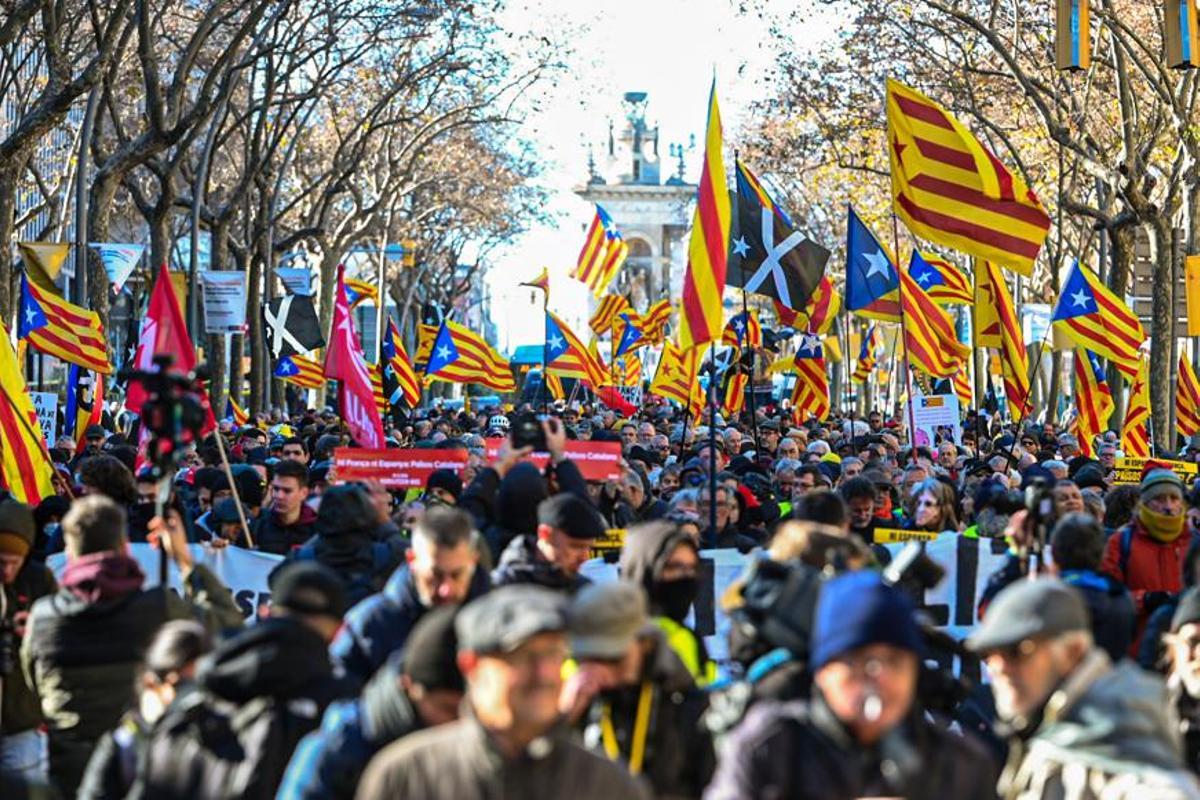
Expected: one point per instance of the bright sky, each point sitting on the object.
(667, 48)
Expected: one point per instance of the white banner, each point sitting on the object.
(245, 572)
(297, 280)
(119, 260)
(224, 301)
(46, 406)
(953, 605)
(931, 412)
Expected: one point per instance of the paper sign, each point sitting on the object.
(894, 535)
(931, 412)
(1129, 470)
(597, 461)
(395, 468)
(224, 301)
(46, 406)
(297, 280)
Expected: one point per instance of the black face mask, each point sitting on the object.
(674, 598)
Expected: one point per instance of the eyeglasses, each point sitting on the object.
(1014, 652)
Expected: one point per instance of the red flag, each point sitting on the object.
(164, 331)
(344, 362)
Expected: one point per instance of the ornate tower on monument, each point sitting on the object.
(651, 214)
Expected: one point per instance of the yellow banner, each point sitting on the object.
(611, 542)
(1191, 282)
(896, 535)
(1129, 470)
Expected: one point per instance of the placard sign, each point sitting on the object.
(934, 411)
(46, 406)
(1129, 470)
(224, 301)
(609, 544)
(597, 461)
(394, 468)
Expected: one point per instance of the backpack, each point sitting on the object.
(206, 747)
(1126, 546)
(361, 584)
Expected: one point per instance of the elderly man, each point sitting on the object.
(733, 441)
(788, 449)
(1075, 720)
(645, 433)
(1147, 554)
(511, 647)
(862, 733)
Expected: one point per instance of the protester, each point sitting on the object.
(418, 688)
(630, 694)
(663, 561)
(83, 644)
(511, 646)
(862, 734)
(24, 579)
(442, 569)
(289, 521)
(257, 694)
(567, 527)
(1075, 720)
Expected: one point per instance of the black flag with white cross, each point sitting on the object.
(769, 258)
(292, 326)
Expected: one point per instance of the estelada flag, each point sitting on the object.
(25, 468)
(950, 190)
(1135, 431)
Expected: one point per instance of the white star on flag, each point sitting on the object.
(878, 264)
(740, 248)
(1080, 298)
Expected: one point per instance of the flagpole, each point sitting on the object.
(847, 395)
(753, 359)
(712, 441)
(912, 433)
(976, 361)
(545, 350)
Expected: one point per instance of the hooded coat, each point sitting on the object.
(329, 761)
(521, 562)
(1106, 732)
(379, 626)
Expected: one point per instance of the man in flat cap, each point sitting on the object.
(512, 643)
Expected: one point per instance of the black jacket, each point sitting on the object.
(20, 705)
(505, 509)
(729, 537)
(679, 758)
(521, 562)
(800, 750)
(272, 536)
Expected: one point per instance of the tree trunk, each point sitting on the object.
(217, 368)
(9, 177)
(100, 201)
(1161, 330)
(1056, 361)
(329, 262)
(1121, 268)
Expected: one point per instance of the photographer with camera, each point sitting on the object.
(862, 733)
(22, 745)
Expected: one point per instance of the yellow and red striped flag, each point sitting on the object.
(606, 313)
(677, 373)
(743, 330)
(810, 396)
(1187, 399)
(940, 279)
(929, 334)
(381, 402)
(235, 412)
(25, 468)
(1093, 399)
(1098, 320)
(300, 371)
(950, 190)
(735, 394)
(603, 252)
(460, 355)
(654, 321)
(963, 390)
(542, 281)
(866, 356)
(426, 335)
(554, 386)
(1135, 431)
(818, 314)
(700, 314)
(395, 357)
(357, 291)
(629, 369)
(568, 357)
(1003, 331)
(61, 329)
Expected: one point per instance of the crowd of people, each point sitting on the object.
(453, 642)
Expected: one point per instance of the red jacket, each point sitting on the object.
(1152, 566)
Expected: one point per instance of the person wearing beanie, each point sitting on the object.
(862, 733)
(24, 579)
(443, 486)
(625, 672)
(1147, 555)
(567, 527)
(417, 688)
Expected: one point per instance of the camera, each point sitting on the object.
(527, 431)
(174, 412)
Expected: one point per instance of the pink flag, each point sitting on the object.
(344, 362)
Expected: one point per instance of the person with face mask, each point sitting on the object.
(631, 696)
(1147, 555)
(862, 733)
(1073, 718)
(169, 670)
(663, 560)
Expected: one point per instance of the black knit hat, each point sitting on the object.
(431, 650)
(572, 515)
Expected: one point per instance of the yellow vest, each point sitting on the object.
(687, 647)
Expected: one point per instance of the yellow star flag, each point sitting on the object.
(1135, 431)
(24, 463)
(700, 316)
